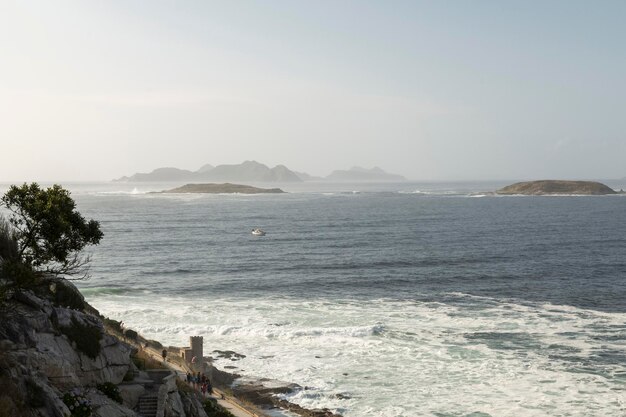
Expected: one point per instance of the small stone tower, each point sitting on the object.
(196, 348)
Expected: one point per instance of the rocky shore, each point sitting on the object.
(57, 360)
(58, 355)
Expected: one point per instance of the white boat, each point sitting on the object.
(258, 232)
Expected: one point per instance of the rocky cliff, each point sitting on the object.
(56, 360)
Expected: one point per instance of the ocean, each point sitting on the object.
(382, 300)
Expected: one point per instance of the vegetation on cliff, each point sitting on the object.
(547, 187)
(46, 233)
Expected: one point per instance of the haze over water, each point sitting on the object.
(383, 300)
(405, 300)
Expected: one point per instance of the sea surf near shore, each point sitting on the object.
(378, 302)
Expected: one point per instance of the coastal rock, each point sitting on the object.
(304, 412)
(42, 358)
(192, 405)
(180, 403)
(35, 326)
(103, 406)
(229, 354)
(261, 394)
(221, 378)
(130, 394)
(555, 187)
(65, 365)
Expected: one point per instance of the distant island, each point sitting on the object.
(250, 171)
(225, 188)
(552, 187)
(253, 171)
(362, 174)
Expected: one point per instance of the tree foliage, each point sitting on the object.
(50, 233)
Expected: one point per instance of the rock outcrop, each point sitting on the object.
(49, 352)
(39, 331)
(555, 187)
(266, 393)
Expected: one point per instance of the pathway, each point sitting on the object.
(229, 403)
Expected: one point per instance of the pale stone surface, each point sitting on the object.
(130, 394)
(103, 406)
(173, 406)
(32, 342)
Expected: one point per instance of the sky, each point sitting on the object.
(432, 90)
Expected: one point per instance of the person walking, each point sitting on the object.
(164, 354)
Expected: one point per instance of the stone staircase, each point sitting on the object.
(147, 406)
(149, 402)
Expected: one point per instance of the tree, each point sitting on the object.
(49, 232)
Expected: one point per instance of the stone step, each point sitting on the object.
(147, 406)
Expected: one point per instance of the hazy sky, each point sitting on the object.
(437, 90)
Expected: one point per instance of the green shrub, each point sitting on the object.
(140, 363)
(144, 361)
(113, 324)
(213, 409)
(130, 334)
(78, 404)
(8, 243)
(14, 275)
(110, 390)
(86, 337)
(50, 233)
(154, 344)
(65, 295)
(18, 275)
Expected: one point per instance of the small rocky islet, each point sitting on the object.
(226, 188)
(557, 187)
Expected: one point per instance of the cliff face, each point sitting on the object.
(547, 187)
(49, 352)
(41, 360)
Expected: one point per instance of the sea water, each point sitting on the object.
(394, 300)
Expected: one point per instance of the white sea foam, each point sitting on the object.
(401, 358)
(134, 191)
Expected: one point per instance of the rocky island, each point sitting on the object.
(253, 171)
(246, 171)
(226, 188)
(556, 187)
